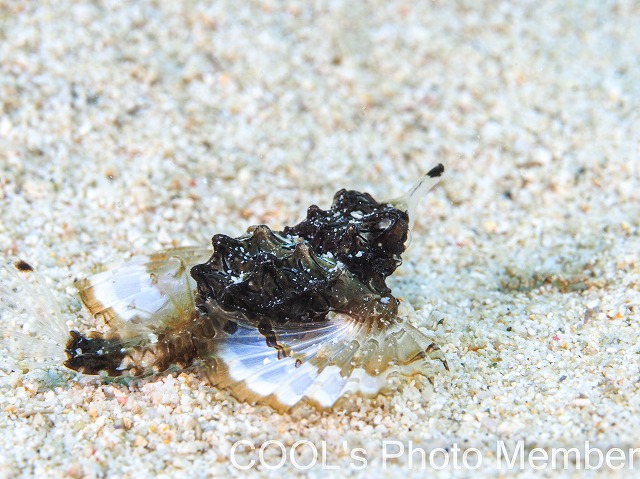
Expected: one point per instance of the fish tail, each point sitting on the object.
(141, 355)
(32, 329)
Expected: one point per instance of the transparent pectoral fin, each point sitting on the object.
(147, 293)
(319, 361)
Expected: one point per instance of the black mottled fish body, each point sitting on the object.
(274, 316)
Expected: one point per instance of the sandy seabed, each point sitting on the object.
(129, 127)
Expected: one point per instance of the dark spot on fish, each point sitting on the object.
(436, 171)
(230, 327)
(94, 353)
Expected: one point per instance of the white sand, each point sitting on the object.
(134, 126)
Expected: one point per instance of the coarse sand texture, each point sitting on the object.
(132, 127)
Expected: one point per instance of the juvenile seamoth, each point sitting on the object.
(273, 316)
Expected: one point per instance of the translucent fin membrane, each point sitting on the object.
(410, 200)
(144, 294)
(31, 327)
(319, 362)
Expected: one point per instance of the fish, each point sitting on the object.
(303, 314)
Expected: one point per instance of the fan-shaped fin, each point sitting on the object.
(317, 361)
(147, 293)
